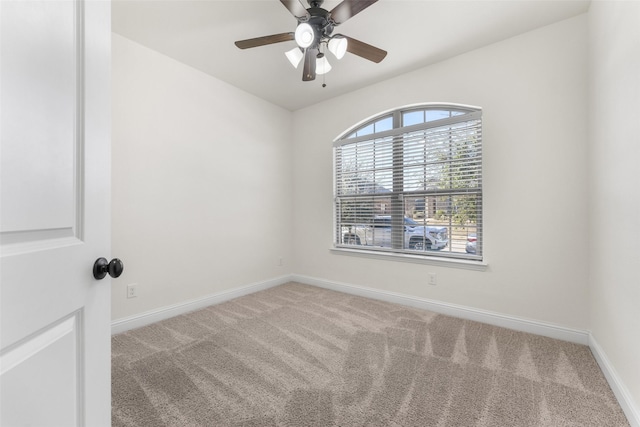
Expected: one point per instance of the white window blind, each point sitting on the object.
(411, 182)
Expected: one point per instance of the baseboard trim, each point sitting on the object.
(464, 312)
(617, 385)
(478, 315)
(152, 316)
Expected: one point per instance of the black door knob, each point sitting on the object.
(101, 267)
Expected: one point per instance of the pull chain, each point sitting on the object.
(323, 76)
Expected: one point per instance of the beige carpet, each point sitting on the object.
(297, 355)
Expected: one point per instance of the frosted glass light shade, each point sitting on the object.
(304, 35)
(294, 56)
(338, 46)
(322, 66)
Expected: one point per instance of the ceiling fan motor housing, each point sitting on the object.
(321, 24)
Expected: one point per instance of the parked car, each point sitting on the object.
(471, 243)
(416, 236)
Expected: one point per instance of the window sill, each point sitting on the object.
(448, 262)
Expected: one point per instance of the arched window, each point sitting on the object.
(410, 182)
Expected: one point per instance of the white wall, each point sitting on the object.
(532, 89)
(201, 182)
(614, 185)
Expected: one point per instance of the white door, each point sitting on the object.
(55, 212)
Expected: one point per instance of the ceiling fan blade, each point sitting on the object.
(348, 9)
(296, 8)
(261, 41)
(309, 72)
(365, 50)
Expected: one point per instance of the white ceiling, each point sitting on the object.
(415, 33)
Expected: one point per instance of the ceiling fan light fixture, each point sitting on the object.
(338, 46)
(313, 33)
(294, 56)
(322, 65)
(304, 35)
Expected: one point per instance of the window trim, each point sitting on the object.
(470, 113)
(413, 259)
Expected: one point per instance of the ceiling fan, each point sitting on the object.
(315, 28)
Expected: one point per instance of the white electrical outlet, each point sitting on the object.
(132, 290)
(280, 262)
(433, 279)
